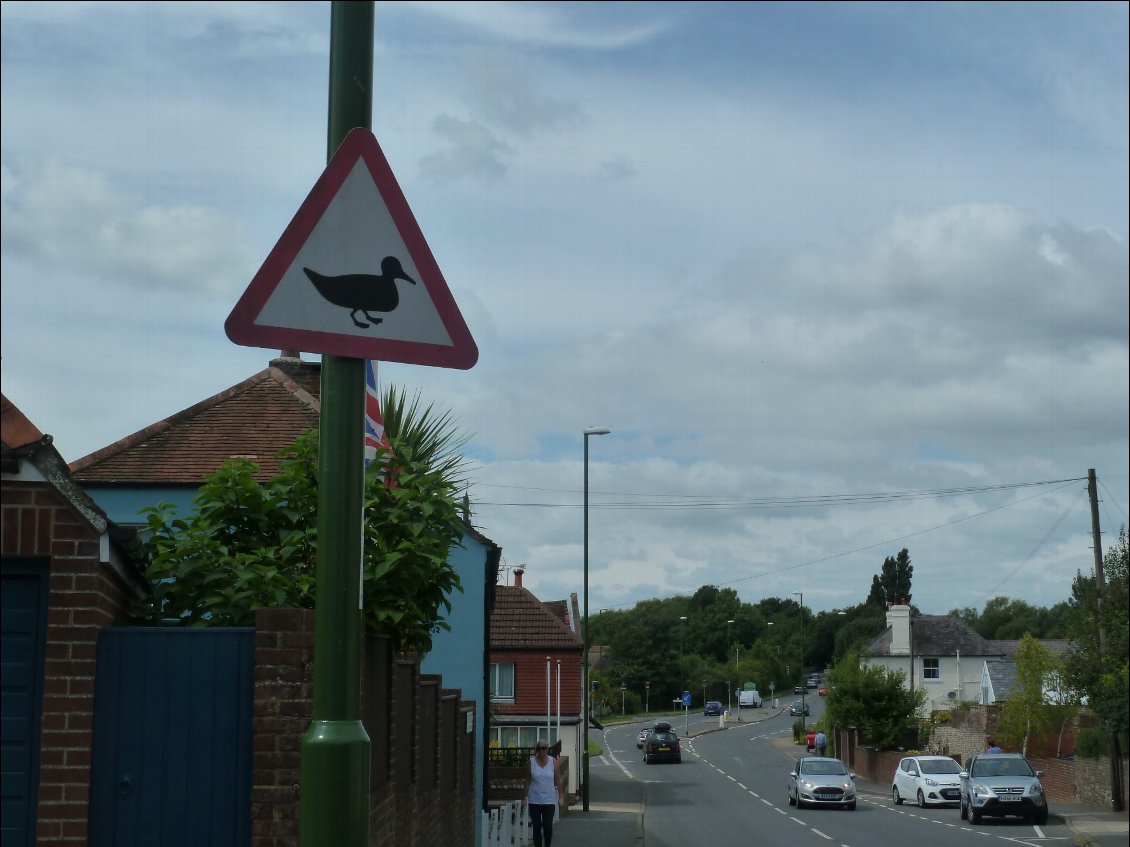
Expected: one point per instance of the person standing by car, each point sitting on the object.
(543, 793)
(993, 747)
(821, 743)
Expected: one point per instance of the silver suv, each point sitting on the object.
(999, 784)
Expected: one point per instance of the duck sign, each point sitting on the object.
(353, 276)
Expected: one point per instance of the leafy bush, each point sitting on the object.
(1091, 742)
(252, 545)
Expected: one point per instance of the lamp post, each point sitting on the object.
(592, 430)
(728, 643)
(682, 639)
(803, 690)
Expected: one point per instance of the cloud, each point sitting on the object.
(473, 152)
(69, 218)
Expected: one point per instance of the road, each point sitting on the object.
(731, 785)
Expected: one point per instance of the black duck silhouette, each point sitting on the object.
(364, 293)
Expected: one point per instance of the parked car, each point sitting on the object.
(823, 690)
(999, 784)
(713, 707)
(928, 780)
(641, 739)
(662, 745)
(798, 689)
(821, 781)
(799, 708)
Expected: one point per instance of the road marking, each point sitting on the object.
(822, 835)
(798, 820)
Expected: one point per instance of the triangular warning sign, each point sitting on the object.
(353, 276)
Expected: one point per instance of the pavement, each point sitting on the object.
(616, 808)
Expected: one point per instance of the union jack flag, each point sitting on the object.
(374, 424)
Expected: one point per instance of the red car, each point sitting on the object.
(823, 690)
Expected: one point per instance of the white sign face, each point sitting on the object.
(354, 236)
(353, 276)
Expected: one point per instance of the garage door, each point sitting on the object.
(23, 619)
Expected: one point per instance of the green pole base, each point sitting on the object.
(334, 800)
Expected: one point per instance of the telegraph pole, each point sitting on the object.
(1100, 589)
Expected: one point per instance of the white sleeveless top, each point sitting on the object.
(543, 788)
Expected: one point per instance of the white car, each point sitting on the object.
(641, 739)
(927, 780)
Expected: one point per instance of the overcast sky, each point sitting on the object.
(841, 279)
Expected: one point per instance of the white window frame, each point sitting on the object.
(931, 672)
(502, 682)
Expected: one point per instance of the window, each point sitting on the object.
(502, 681)
(931, 668)
(520, 736)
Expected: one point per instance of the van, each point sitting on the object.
(749, 698)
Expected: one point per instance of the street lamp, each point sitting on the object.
(803, 690)
(682, 639)
(592, 430)
(728, 643)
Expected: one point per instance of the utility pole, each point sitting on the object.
(1100, 588)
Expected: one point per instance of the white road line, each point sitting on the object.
(822, 835)
(798, 820)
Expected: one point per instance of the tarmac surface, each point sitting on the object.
(616, 809)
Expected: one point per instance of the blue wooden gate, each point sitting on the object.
(171, 759)
(23, 625)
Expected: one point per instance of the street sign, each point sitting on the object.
(353, 276)
(686, 698)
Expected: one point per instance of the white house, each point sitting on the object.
(938, 653)
(998, 676)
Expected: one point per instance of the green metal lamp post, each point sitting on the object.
(592, 430)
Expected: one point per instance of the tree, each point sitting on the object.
(1096, 663)
(892, 583)
(250, 544)
(1026, 713)
(873, 699)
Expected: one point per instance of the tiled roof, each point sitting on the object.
(1008, 647)
(937, 635)
(15, 429)
(520, 621)
(1002, 673)
(559, 608)
(256, 418)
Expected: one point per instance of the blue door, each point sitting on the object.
(171, 760)
(23, 639)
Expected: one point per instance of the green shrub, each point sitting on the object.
(799, 731)
(1091, 742)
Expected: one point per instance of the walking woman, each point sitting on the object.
(543, 793)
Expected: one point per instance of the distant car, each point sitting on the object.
(641, 739)
(798, 689)
(713, 707)
(821, 781)
(927, 780)
(799, 708)
(823, 690)
(999, 784)
(662, 745)
(812, 682)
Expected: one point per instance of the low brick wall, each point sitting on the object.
(422, 778)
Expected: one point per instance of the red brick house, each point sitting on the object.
(68, 570)
(536, 673)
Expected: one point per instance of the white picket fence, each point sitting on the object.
(507, 826)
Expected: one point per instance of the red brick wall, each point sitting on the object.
(529, 682)
(83, 596)
(418, 805)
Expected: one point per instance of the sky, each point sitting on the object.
(839, 279)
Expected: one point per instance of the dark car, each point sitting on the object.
(662, 745)
(999, 784)
(713, 707)
(799, 708)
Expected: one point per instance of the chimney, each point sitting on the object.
(898, 619)
(518, 577)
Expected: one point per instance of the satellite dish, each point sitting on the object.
(952, 695)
